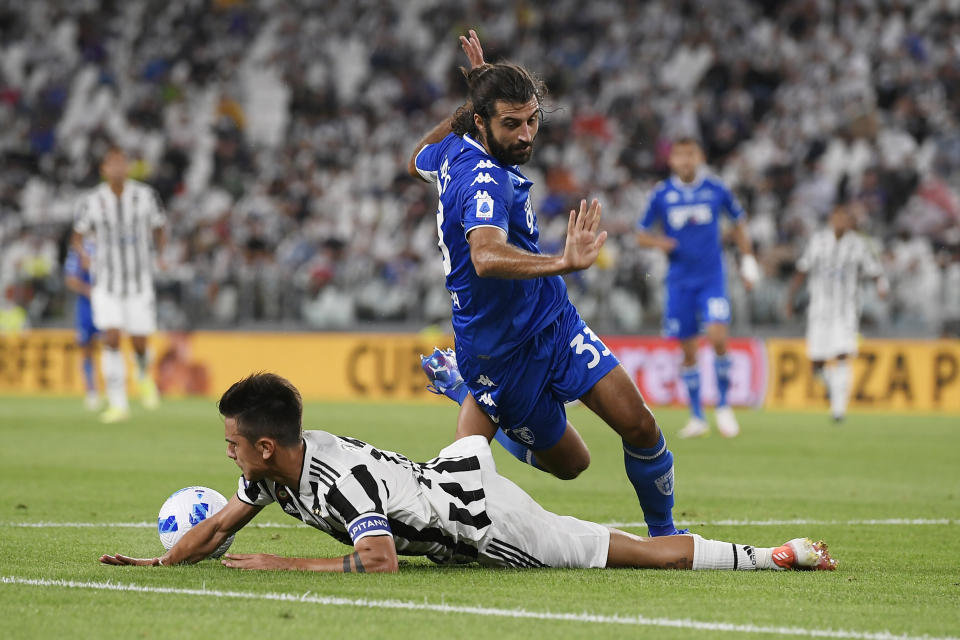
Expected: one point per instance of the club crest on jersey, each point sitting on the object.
(483, 178)
(664, 483)
(485, 164)
(484, 205)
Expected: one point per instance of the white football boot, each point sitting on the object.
(804, 554)
(695, 428)
(727, 423)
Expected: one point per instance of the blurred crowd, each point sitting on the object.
(277, 134)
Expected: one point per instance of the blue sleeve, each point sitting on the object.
(653, 212)
(71, 266)
(730, 203)
(487, 194)
(428, 160)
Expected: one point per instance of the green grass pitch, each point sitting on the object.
(58, 465)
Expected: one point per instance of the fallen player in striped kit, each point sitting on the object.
(453, 509)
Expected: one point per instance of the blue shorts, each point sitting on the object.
(525, 392)
(83, 319)
(691, 305)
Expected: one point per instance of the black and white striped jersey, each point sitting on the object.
(834, 268)
(122, 229)
(351, 489)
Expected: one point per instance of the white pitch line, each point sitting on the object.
(681, 623)
(681, 523)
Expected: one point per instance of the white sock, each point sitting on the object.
(115, 377)
(839, 387)
(714, 554)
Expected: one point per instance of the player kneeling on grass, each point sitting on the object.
(455, 508)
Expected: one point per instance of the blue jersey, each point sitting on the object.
(491, 316)
(690, 214)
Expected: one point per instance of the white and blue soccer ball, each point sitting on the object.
(186, 508)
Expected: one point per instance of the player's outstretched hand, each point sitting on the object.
(583, 242)
(121, 561)
(471, 47)
(253, 561)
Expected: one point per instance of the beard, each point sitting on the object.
(518, 153)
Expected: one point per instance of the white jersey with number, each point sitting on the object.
(122, 229)
(454, 508)
(834, 268)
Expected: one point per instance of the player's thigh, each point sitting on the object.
(524, 534)
(568, 458)
(140, 314)
(713, 305)
(108, 309)
(472, 420)
(819, 341)
(619, 403)
(680, 313)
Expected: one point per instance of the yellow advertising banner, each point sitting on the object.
(331, 366)
(897, 375)
(892, 375)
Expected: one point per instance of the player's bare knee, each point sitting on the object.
(643, 431)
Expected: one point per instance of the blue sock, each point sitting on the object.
(517, 450)
(88, 375)
(722, 364)
(651, 473)
(691, 378)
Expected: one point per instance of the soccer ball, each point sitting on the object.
(184, 509)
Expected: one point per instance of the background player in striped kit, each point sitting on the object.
(77, 278)
(688, 205)
(835, 260)
(455, 508)
(124, 219)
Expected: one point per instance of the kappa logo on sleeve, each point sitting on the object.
(484, 164)
(484, 205)
(483, 178)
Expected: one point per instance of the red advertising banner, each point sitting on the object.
(654, 363)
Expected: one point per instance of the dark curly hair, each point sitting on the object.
(489, 83)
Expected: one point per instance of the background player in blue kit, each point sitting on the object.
(521, 346)
(688, 205)
(78, 280)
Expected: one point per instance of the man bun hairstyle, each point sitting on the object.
(265, 405)
(491, 82)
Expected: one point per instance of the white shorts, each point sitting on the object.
(524, 534)
(135, 314)
(829, 338)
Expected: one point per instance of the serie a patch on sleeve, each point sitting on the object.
(369, 524)
(484, 205)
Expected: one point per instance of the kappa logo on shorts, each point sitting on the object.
(665, 483)
(485, 381)
(484, 205)
(524, 434)
(486, 399)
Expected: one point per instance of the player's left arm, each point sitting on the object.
(372, 554)
(749, 269)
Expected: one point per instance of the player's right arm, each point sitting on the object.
(645, 238)
(493, 257)
(471, 46)
(200, 541)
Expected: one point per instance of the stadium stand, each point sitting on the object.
(277, 134)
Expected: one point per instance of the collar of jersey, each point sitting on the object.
(680, 185)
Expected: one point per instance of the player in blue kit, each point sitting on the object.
(688, 206)
(78, 279)
(521, 347)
